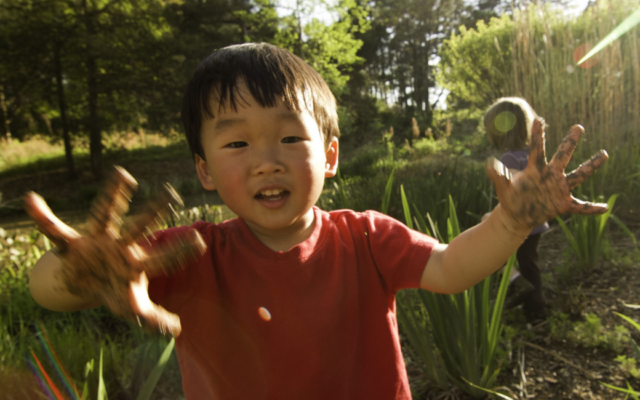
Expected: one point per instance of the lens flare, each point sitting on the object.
(579, 54)
(505, 121)
(620, 30)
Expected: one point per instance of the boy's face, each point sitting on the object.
(267, 164)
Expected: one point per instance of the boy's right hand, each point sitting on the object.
(106, 266)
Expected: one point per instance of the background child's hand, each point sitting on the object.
(106, 265)
(542, 191)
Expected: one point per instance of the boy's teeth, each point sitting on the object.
(271, 192)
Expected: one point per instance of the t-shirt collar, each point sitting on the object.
(300, 252)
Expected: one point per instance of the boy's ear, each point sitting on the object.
(203, 174)
(331, 154)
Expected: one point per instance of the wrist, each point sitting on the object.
(508, 223)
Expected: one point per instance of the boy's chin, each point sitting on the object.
(282, 222)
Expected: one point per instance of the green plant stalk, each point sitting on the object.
(586, 235)
(102, 390)
(636, 348)
(629, 390)
(387, 194)
(152, 380)
(465, 328)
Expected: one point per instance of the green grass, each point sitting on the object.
(48, 162)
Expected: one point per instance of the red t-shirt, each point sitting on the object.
(333, 332)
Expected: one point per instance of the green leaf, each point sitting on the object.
(405, 208)
(624, 228)
(102, 390)
(629, 320)
(424, 228)
(387, 194)
(569, 236)
(502, 396)
(156, 372)
(454, 226)
(629, 389)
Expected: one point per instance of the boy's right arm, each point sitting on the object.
(49, 290)
(107, 266)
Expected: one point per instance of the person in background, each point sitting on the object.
(508, 125)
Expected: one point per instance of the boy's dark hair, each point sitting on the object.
(270, 73)
(508, 123)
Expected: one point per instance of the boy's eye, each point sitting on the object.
(237, 145)
(291, 139)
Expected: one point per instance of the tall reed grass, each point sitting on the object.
(533, 52)
(604, 97)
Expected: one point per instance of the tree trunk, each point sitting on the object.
(5, 115)
(95, 133)
(68, 150)
(298, 13)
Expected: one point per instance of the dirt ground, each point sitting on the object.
(544, 368)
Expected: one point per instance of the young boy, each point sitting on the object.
(288, 301)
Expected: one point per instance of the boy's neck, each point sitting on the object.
(289, 237)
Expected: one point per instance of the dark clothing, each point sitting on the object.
(527, 256)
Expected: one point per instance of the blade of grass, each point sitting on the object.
(102, 390)
(405, 208)
(629, 389)
(156, 372)
(387, 194)
(569, 235)
(624, 228)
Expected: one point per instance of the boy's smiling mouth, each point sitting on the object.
(272, 195)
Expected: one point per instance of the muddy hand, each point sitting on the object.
(107, 265)
(542, 190)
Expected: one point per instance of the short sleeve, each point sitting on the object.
(167, 290)
(400, 253)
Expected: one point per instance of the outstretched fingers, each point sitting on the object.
(175, 255)
(52, 227)
(586, 208)
(165, 200)
(112, 202)
(537, 155)
(566, 148)
(585, 170)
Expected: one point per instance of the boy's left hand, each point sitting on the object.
(542, 190)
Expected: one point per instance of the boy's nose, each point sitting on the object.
(268, 162)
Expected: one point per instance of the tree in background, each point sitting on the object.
(83, 68)
(331, 49)
(34, 36)
(474, 64)
(110, 65)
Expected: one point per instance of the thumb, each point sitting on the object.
(499, 175)
(153, 314)
(57, 231)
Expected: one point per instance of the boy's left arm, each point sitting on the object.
(527, 199)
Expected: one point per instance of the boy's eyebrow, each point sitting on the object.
(222, 124)
(226, 123)
(292, 116)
